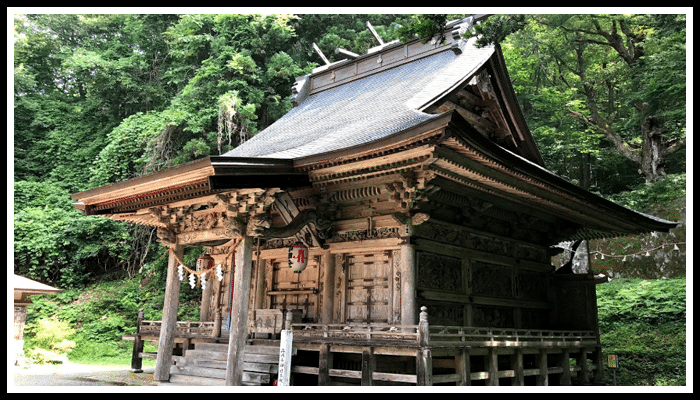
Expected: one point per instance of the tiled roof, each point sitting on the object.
(367, 109)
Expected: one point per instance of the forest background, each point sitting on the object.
(104, 98)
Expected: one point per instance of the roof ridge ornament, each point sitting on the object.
(375, 34)
(320, 53)
(463, 26)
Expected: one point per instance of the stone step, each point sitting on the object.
(270, 368)
(186, 380)
(205, 365)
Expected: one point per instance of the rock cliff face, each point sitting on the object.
(649, 256)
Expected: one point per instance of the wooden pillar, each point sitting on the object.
(327, 279)
(164, 358)
(136, 360)
(424, 367)
(369, 362)
(598, 362)
(259, 298)
(518, 369)
(407, 268)
(463, 367)
(582, 363)
(565, 377)
(492, 367)
(325, 362)
(207, 297)
(543, 376)
(239, 314)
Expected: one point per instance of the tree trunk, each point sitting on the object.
(652, 163)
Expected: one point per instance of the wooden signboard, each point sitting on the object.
(285, 360)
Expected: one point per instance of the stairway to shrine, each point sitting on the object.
(205, 365)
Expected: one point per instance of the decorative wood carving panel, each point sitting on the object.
(461, 237)
(532, 286)
(435, 271)
(445, 313)
(497, 317)
(491, 280)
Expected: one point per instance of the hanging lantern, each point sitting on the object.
(298, 257)
(205, 262)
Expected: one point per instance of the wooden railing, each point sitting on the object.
(424, 335)
(458, 336)
(395, 335)
(182, 329)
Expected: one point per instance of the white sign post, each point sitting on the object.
(285, 361)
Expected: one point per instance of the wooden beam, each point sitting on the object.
(170, 305)
(239, 313)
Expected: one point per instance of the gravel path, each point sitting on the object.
(70, 374)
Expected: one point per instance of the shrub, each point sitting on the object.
(50, 334)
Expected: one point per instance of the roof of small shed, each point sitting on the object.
(30, 286)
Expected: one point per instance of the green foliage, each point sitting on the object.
(50, 334)
(425, 26)
(644, 322)
(59, 245)
(575, 78)
(660, 194)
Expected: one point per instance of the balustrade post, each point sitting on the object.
(136, 360)
(424, 358)
(423, 328)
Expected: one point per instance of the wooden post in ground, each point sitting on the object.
(598, 362)
(565, 377)
(517, 365)
(368, 366)
(582, 363)
(543, 376)
(136, 361)
(463, 367)
(325, 363)
(492, 367)
(164, 358)
(239, 314)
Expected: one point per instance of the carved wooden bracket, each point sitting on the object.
(167, 237)
(308, 216)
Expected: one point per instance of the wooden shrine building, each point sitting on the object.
(411, 176)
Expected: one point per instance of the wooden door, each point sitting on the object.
(295, 291)
(368, 292)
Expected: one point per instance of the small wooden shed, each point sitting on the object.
(23, 288)
(410, 174)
